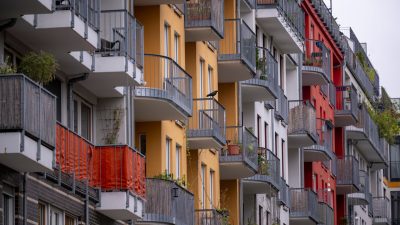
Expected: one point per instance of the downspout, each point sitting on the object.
(24, 207)
(70, 105)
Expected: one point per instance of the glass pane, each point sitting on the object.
(86, 117)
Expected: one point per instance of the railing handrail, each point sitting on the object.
(208, 99)
(268, 52)
(172, 182)
(169, 59)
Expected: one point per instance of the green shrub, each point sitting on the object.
(40, 67)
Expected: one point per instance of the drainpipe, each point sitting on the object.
(24, 199)
(70, 105)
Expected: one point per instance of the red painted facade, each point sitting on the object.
(316, 175)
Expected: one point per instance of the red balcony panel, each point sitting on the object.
(73, 153)
(118, 167)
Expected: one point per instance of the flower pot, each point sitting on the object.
(233, 149)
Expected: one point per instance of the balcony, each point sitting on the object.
(117, 62)
(302, 129)
(348, 176)
(331, 165)
(394, 171)
(72, 26)
(263, 87)
(239, 158)
(346, 106)
(204, 20)
(209, 217)
(365, 136)
(328, 20)
(236, 52)
(284, 198)
(167, 89)
(167, 203)
(281, 112)
(303, 206)
(322, 150)
(361, 197)
(119, 173)
(207, 124)
(325, 214)
(27, 124)
(285, 21)
(16, 8)
(157, 2)
(381, 208)
(316, 64)
(268, 177)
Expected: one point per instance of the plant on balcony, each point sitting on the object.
(387, 122)
(40, 67)
(308, 62)
(367, 69)
(263, 165)
(170, 176)
(232, 149)
(6, 68)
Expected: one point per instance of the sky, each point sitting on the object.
(378, 24)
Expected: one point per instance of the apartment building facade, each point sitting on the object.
(190, 112)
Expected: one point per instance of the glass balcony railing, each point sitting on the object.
(208, 120)
(166, 80)
(290, 10)
(167, 202)
(205, 13)
(239, 43)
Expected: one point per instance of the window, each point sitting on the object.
(211, 189)
(178, 161)
(142, 143)
(8, 206)
(267, 217)
(166, 49)
(75, 116)
(167, 155)
(276, 144)
(176, 47)
(55, 88)
(56, 217)
(260, 212)
(282, 77)
(203, 186)
(314, 182)
(201, 78)
(210, 80)
(42, 214)
(86, 121)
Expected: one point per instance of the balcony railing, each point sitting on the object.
(165, 79)
(381, 210)
(167, 202)
(118, 34)
(325, 214)
(139, 45)
(208, 120)
(317, 58)
(302, 119)
(284, 193)
(323, 146)
(281, 112)
(209, 217)
(385, 148)
(28, 107)
(346, 102)
(241, 146)
(348, 172)
(205, 13)
(239, 43)
(268, 168)
(331, 165)
(328, 20)
(291, 10)
(303, 203)
(118, 168)
(355, 67)
(364, 186)
(332, 94)
(266, 71)
(369, 128)
(86, 10)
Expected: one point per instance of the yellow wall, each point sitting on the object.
(153, 19)
(230, 199)
(209, 158)
(228, 97)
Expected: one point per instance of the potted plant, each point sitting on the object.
(5, 68)
(40, 67)
(234, 149)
